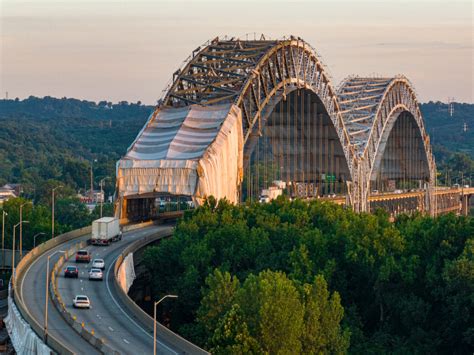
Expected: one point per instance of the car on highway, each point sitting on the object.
(98, 264)
(96, 274)
(71, 271)
(83, 256)
(81, 301)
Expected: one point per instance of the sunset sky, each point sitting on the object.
(128, 50)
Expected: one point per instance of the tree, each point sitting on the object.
(70, 213)
(273, 311)
(322, 332)
(218, 298)
(231, 335)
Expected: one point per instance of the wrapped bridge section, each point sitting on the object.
(190, 151)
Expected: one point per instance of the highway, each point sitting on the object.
(33, 290)
(107, 316)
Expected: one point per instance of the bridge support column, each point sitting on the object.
(123, 210)
(465, 205)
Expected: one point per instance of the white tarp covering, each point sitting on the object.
(24, 339)
(193, 150)
(126, 273)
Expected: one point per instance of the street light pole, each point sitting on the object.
(21, 229)
(13, 246)
(154, 320)
(47, 298)
(3, 238)
(34, 238)
(52, 208)
(102, 194)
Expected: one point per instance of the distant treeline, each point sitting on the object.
(50, 139)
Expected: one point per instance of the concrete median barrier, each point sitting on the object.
(82, 329)
(164, 333)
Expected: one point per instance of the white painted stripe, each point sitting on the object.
(125, 313)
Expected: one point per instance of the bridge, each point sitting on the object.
(237, 118)
(243, 116)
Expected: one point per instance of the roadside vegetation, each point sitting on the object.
(293, 277)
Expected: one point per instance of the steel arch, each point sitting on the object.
(256, 75)
(371, 107)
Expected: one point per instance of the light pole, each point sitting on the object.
(154, 320)
(3, 238)
(52, 208)
(102, 194)
(46, 297)
(13, 246)
(34, 238)
(21, 228)
(92, 179)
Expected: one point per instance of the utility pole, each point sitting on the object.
(14, 247)
(52, 210)
(102, 194)
(451, 106)
(3, 238)
(92, 185)
(21, 229)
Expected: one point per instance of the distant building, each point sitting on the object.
(9, 191)
(96, 197)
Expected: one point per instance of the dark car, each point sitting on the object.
(71, 271)
(83, 256)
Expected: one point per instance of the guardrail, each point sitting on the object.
(29, 258)
(164, 333)
(34, 254)
(80, 328)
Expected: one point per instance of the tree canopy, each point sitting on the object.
(298, 277)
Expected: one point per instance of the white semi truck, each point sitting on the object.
(105, 231)
(270, 194)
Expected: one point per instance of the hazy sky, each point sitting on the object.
(128, 50)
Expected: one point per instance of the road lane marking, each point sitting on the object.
(125, 313)
(126, 341)
(111, 329)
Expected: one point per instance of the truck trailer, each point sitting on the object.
(105, 230)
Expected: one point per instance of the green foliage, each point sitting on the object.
(446, 131)
(59, 139)
(322, 332)
(272, 311)
(70, 214)
(395, 287)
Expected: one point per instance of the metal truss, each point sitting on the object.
(256, 75)
(370, 107)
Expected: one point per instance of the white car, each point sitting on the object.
(98, 264)
(96, 274)
(81, 301)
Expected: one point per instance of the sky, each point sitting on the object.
(128, 50)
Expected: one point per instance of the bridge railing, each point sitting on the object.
(20, 270)
(164, 333)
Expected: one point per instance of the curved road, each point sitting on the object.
(33, 292)
(107, 316)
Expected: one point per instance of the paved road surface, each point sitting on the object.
(107, 316)
(33, 291)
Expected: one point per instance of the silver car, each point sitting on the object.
(81, 301)
(96, 274)
(98, 264)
